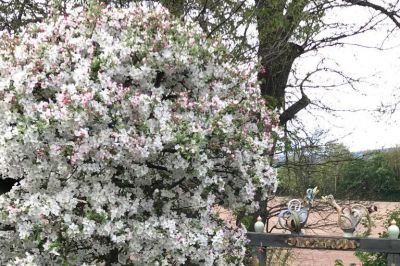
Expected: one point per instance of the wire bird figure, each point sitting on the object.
(295, 217)
(349, 217)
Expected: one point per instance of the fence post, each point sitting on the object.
(261, 251)
(393, 259)
(262, 256)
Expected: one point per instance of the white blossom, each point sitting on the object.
(124, 131)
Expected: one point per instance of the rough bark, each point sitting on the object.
(277, 52)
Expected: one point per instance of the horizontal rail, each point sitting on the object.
(383, 245)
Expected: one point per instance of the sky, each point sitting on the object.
(361, 127)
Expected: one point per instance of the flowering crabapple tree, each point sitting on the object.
(124, 129)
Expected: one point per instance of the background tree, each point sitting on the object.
(312, 163)
(366, 175)
(373, 176)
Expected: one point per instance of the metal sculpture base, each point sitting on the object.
(348, 233)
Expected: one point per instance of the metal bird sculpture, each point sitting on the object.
(295, 217)
(349, 217)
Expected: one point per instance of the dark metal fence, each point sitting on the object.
(260, 241)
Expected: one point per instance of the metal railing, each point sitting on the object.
(260, 242)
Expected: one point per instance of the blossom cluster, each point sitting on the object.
(124, 129)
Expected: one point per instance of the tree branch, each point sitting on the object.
(290, 113)
(392, 15)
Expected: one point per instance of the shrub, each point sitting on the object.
(124, 129)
